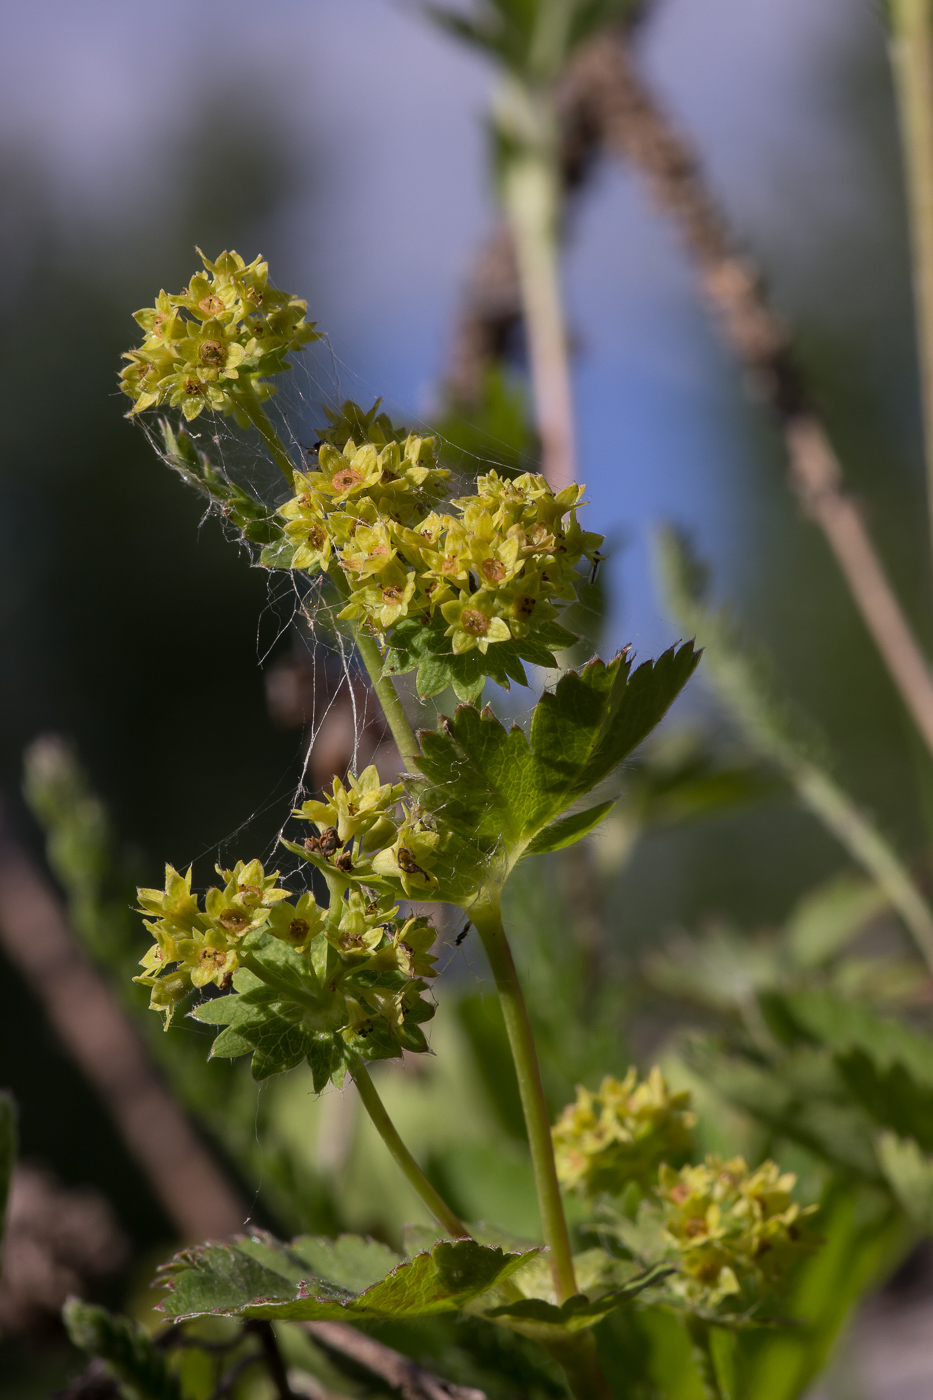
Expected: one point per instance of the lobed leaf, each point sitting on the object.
(568, 830)
(503, 789)
(318, 1279)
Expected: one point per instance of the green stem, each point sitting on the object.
(487, 919)
(384, 686)
(416, 1177)
(249, 403)
(389, 699)
(531, 195)
(912, 62)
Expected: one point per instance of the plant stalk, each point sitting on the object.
(387, 1131)
(531, 195)
(912, 65)
(249, 403)
(487, 919)
(389, 699)
(384, 686)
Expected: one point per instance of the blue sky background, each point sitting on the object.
(391, 199)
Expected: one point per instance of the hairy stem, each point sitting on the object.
(487, 919)
(273, 1358)
(912, 63)
(389, 699)
(249, 403)
(384, 686)
(415, 1176)
(531, 195)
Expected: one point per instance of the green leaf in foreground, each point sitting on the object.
(342, 1280)
(125, 1347)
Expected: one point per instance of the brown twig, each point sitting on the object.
(398, 1371)
(605, 105)
(35, 936)
(273, 1357)
(604, 83)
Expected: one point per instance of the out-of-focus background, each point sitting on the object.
(345, 142)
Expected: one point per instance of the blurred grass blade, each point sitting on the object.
(741, 685)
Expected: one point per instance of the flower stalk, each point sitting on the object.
(487, 919)
(246, 400)
(530, 187)
(389, 698)
(416, 1178)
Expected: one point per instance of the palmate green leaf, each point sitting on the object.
(886, 1065)
(801, 1097)
(568, 830)
(317, 1279)
(125, 1347)
(424, 647)
(500, 789)
(890, 1095)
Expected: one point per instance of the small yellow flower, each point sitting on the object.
(473, 622)
(620, 1133)
(733, 1229)
(353, 810)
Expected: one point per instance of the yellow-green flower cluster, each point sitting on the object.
(736, 1231)
(195, 946)
(621, 1133)
(353, 973)
(492, 569)
(215, 340)
(366, 832)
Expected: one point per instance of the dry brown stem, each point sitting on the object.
(604, 84)
(605, 104)
(398, 1371)
(35, 936)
